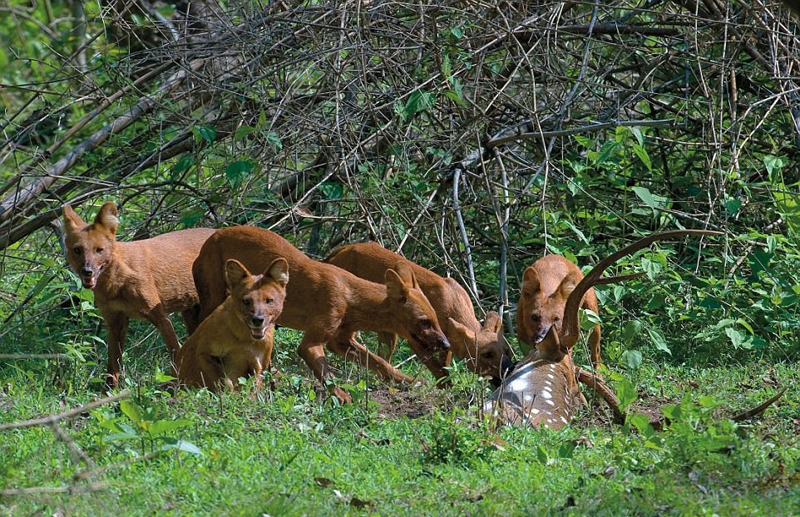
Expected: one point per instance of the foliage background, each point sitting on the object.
(471, 136)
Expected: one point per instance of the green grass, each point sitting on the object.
(293, 453)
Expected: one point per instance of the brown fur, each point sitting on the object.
(546, 285)
(328, 303)
(484, 348)
(542, 391)
(146, 279)
(236, 340)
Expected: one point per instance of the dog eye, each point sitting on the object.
(77, 250)
(246, 302)
(488, 355)
(425, 324)
(268, 301)
(99, 250)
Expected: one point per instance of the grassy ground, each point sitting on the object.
(424, 451)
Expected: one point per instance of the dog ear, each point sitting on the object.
(462, 333)
(530, 280)
(396, 287)
(235, 272)
(568, 284)
(278, 271)
(72, 220)
(406, 274)
(108, 218)
(493, 323)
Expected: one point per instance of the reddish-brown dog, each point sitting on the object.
(327, 303)
(483, 348)
(146, 279)
(236, 340)
(543, 390)
(546, 285)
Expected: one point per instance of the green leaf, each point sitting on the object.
(207, 133)
(739, 339)
(631, 358)
(732, 205)
(243, 131)
(236, 172)
(418, 101)
(273, 140)
(648, 198)
(160, 427)
(658, 340)
(774, 164)
(606, 152)
(641, 423)
(632, 328)
(588, 319)
(131, 410)
(641, 153)
(626, 393)
(541, 454)
(651, 267)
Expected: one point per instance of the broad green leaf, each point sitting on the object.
(658, 340)
(160, 427)
(641, 153)
(207, 133)
(739, 339)
(632, 328)
(626, 393)
(236, 172)
(588, 319)
(631, 358)
(648, 198)
(641, 423)
(131, 410)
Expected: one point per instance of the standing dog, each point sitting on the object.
(546, 286)
(483, 347)
(146, 279)
(237, 339)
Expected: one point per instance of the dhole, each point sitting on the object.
(236, 340)
(543, 391)
(482, 347)
(146, 279)
(327, 303)
(546, 285)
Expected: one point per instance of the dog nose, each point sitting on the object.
(85, 271)
(257, 321)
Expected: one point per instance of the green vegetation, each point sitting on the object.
(473, 138)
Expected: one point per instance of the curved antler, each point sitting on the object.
(571, 325)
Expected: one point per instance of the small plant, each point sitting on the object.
(453, 440)
(144, 425)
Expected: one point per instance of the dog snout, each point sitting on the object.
(257, 321)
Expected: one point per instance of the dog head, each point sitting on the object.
(89, 247)
(487, 350)
(546, 285)
(258, 299)
(412, 310)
